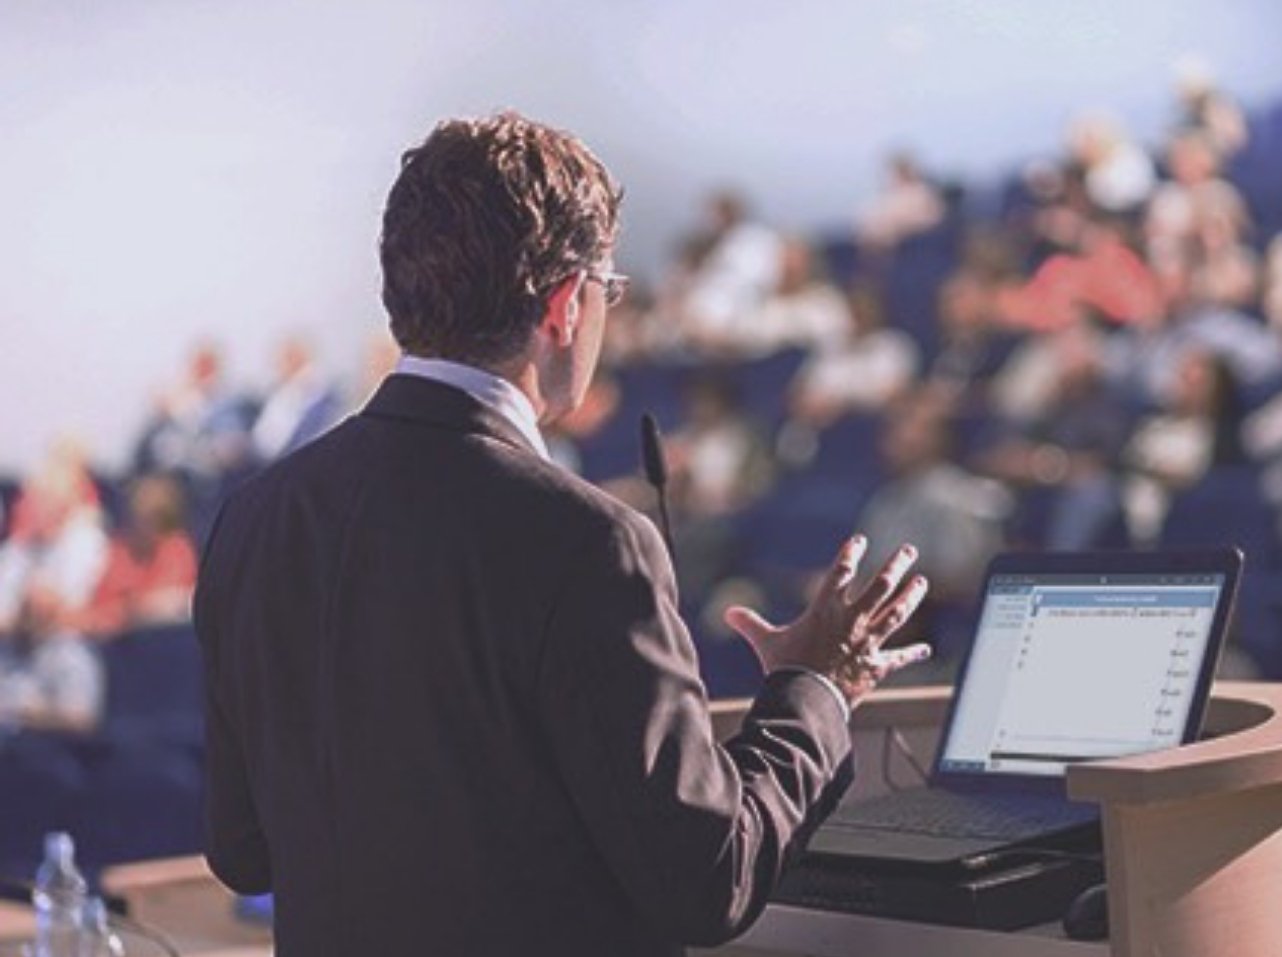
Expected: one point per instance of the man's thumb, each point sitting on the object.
(754, 629)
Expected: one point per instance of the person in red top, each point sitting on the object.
(151, 569)
(1104, 274)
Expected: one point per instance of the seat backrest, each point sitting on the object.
(153, 685)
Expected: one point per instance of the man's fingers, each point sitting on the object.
(845, 565)
(884, 585)
(893, 615)
(888, 662)
(754, 629)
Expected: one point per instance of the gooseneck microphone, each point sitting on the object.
(656, 472)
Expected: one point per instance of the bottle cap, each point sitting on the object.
(59, 846)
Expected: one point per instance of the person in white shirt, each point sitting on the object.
(863, 370)
(740, 268)
(804, 311)
(300, 406)
(57, 543)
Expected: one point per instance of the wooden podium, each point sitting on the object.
(1192, 839)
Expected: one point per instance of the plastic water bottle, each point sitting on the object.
(59, 899)
(96, 938)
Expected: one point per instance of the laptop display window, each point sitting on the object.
(1070, 667)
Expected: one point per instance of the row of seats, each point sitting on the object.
(130, 791)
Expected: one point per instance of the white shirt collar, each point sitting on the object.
(494, 391)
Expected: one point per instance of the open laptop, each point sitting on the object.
(1077, 656)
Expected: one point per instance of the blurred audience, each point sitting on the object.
(973, 344)
(200, 427)
(1149, 358)
(802, 311)
(57, 545)
(50, 678)
(863, 369)
(909, 204)
(300, 405)
(1116, 171)
(1209, 110)
(151, 569)
(49, 567)
(1069, 442)
(1196, 199)
(719, 461)
(955, 518)
(728, 269)
(1068, 367)
(1198, 426)
(200, 431)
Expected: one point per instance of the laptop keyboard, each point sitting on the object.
(949, 814)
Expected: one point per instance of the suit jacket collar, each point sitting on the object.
(429, 402)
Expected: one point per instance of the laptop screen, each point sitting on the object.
(1074, 667)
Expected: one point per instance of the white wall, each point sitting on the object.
(177, 168)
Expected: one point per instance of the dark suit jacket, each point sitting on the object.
(452, 709)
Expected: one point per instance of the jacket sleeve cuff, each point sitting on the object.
(824, 680)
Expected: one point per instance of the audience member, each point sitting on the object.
(1045, 212)
(50, 678)
(909, 205)
(1229, 271)
(973, 347)
(1206, 108)
(151, 569)
(49, 567)
(1200, 425)
(803, 311)
(1069, 443)
(1118, 175)
(57, 546)
(301, 404)
(729, 269)
(200, 428)
(956, 517)
(1149, 358)
(863, 370)
(1194, 199)
(1103, 274)
(719, 461)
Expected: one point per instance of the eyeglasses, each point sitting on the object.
(615, 285)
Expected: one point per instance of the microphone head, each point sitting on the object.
(656, 466)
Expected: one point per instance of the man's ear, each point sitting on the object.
(561, 319)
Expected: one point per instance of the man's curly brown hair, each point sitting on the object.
(486, 217)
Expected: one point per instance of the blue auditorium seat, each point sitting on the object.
(796, 528)
(918, 269)
(143, 801)
(153, 686)
(728, 666)
(1254, 172)
(847, 450)
(795, 531)
(615, 450)
(42, 789)
(655, 388)
(762, 384)
(839, 256)
(1228, 508)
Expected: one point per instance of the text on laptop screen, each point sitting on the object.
(1069, 668)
